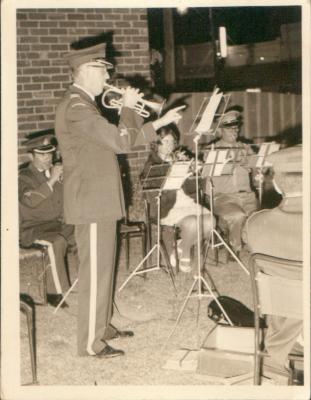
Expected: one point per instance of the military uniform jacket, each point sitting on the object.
(89, 144)
(278, 232)
(239, 180)
(38, 203)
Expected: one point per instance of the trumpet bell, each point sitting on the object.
(156, 107)
(115, 102)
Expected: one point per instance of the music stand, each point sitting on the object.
(172, 180)
(259, 161)
(204, 126)
(220, 162)
(198, 279)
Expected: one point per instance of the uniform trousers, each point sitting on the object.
(282, 332)
(96, 243)
(234, 209)
(281, 336)
(56, 236)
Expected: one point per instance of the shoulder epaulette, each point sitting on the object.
(78, 104)
(76, 100)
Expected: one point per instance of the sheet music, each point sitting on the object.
(209, 112)
(177, 175)
(264, 151)
(155, 177)
(221, 155)
(218, 162)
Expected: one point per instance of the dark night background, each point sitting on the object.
(251, 32)
(244, 24)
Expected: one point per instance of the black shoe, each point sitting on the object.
(55, 299)
(122, 334)
(109, 352)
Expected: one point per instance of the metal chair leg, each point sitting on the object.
(144, 247)
(29, 312)
(127, 252)
(176, 233)
(44, 277)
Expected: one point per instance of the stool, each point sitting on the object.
(33, 279)
(28, 308)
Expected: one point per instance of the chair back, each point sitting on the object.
(277, 290)
(273, 293)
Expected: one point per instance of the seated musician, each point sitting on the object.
(278, 232)
(234, 199)
(40, 206)
(178, 207)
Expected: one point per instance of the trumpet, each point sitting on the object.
(140, 106)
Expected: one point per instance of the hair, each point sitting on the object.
(162, 133)
(170, 129)
(75, 72)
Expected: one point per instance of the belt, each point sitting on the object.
(242, 191)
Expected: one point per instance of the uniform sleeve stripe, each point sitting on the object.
(38, 193)
(78, 104)
(93, 288)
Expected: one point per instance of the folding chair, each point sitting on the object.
(269, 292)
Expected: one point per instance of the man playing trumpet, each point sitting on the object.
(93, 196)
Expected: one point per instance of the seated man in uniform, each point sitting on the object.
(278, 232)
(234, 199)
(41, 205)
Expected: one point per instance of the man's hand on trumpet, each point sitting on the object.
(130, 97)
(172, 116)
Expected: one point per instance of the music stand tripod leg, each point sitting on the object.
(204, 270)
(231, 252)
(169, 268)
(65, 297)
(217, 301)
(160, 251)
(180, 313)
(136, 270)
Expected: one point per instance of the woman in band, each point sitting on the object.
(178, 207)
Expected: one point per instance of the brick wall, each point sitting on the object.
(43, 35)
